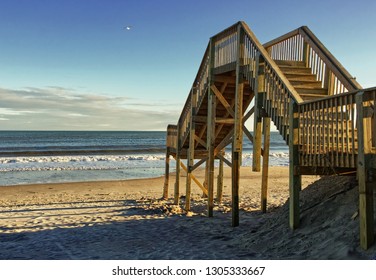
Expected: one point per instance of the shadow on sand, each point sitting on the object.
(329, 230)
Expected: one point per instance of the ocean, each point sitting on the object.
(30, 157)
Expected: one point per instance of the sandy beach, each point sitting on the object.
(128, 220)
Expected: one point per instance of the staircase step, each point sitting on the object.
(309, 97)
(313, 91)
(301, 77)
(295, 70)
(306, 84)
(290, 63)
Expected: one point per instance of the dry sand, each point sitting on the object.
(128, 220)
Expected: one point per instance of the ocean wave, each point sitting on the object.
(75, 159)
(282, 155)
(106, 158)
(56, 168)
(108, 162)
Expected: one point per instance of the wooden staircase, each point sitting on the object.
(323, 114)
(301, 78)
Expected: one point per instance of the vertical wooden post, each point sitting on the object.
(235, 187)
(211, 146)
(205, 195)
(177, 181)
(365, 177)
(238, 134)
(265, 164)
(295, 177)
(306, 54)
(327, 75)
(220, 180)
(167, 173)
(191, 151)
(259, 94)
(171, 141)
(210, 136)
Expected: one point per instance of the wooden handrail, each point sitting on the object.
(353, 92)
(281, 38)
(329, 58)
(267, 58)
(302, 45)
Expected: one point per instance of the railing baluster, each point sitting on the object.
(353, 126)
(320, 134)
(341, 134)
(347, 131)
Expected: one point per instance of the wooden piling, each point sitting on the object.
(294, 173)
(220, 181)
(210, 134)
(237, 141)
(191, 152)
(259, 94)
(167, 174)
(365, 175)
(177, 172)
(265, 165)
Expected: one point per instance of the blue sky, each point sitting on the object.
(70, 65)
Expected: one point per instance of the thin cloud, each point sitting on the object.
(65, 109)
(10, 112)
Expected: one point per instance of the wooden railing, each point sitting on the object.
(225, 45)
(302, 45)
(198, 89)
(366, 100)
(327, 133)
(225, 55)
(171, 137)
(329, 129)
(278, 89)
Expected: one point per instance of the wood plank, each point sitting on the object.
(190, 155)
(210, 135)
(177, 159)
(199, 163)
(366, 214)
(226, 141)
(194, 178)
(224, 79)
(167, 175)
(200, 141)
(220, 180)
(200, 119)
(223, 159)
(222, 100)
(257, 125)
(224, 121)
(294, 178)
(238, 135)
(265, 165)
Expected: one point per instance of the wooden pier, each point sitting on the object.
(322, 113)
